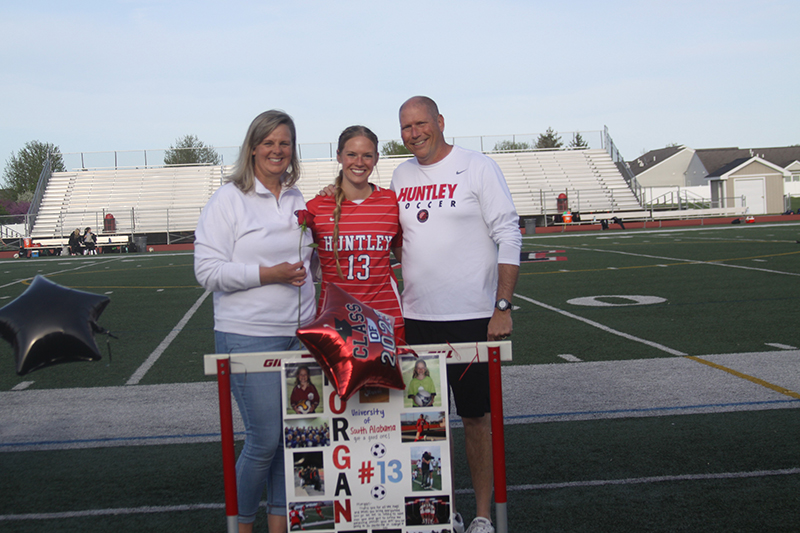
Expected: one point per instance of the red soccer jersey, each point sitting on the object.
(367, 233)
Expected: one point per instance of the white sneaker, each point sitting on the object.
(458, 523)
(481, 525)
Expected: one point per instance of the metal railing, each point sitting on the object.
(682, 199)
(624, 169)
(41, 186)
(132, 221)
(584, 201)
(154, 158)
(12, 229)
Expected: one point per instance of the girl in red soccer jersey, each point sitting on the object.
(295, 519)
(305, 397)
(422, 423)
(357, 228)
(427, 510)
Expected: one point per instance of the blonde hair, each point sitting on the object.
(263, 125)
(346, 135)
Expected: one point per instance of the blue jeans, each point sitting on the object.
(258, 396)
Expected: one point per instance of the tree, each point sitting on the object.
(23, 169)
(16, 209)
(577, 142)
(189, 150)
(394, 148)
(549, 139)
(509, 146)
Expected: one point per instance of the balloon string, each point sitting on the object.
(470, 363)
(109, 336)
(99, 329)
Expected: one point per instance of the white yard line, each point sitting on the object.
(602, 327)
(780, 346)
(644, 480)
(690, 261)
(112, 512)
(86, 265)
(626, 234)
(544, 486)
(151, 360)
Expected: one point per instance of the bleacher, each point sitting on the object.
(589, 178)
(169, 200)
(156, 200)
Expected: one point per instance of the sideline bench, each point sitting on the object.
(59, 243)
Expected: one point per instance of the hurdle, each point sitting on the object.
(493, 353)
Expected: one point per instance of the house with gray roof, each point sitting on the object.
(759, 178)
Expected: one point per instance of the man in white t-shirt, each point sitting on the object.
(460, 259)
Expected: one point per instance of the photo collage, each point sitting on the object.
(377, 463)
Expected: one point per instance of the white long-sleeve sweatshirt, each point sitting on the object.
(459, 222)
(235, 235)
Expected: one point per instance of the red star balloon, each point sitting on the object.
(354, 344)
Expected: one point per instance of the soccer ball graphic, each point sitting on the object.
(150, 249)
(378, 492)
(423, 398)
(378, 450)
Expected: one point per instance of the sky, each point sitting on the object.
(123, 75)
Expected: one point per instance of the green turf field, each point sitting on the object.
(702, 292)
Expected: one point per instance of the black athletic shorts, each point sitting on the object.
(470, 389)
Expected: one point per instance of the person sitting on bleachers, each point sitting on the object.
(75, 242)
(89, 242)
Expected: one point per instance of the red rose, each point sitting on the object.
(305, 219)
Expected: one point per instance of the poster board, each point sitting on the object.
(378, 463)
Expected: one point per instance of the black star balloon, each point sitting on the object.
(50, 324)
(354, 344)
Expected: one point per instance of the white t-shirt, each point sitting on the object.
(236, 234)
(458, 222)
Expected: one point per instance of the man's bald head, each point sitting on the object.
(424, 101)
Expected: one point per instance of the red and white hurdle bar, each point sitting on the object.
(223, 365)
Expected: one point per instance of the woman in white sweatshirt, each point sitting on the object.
(250, 250)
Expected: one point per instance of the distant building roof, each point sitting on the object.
(652, 158)
(718, 161)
